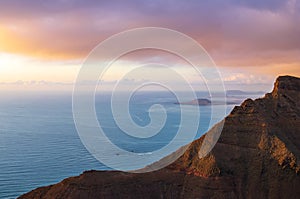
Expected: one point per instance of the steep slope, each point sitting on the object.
(257, 156)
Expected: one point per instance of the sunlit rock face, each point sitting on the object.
(257, 156)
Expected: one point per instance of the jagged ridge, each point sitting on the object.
(257, 156)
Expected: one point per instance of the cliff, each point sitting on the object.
(257, 156)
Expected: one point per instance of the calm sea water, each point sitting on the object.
(39, 144)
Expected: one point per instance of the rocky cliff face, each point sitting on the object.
(257, 156)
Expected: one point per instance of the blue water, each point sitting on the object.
(39, 144)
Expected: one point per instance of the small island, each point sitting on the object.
(206, 102)
(200, 102)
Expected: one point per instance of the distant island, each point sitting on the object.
(206, 102)
(200, 102)
(239, 92)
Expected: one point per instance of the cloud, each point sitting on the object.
(36, 83)
(235, 32)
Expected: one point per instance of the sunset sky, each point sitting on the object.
(251, 41)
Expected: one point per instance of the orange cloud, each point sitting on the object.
(235, 33)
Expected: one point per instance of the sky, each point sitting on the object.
(44, 43)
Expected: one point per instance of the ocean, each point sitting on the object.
(39, 144)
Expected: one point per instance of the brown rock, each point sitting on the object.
(257, 156)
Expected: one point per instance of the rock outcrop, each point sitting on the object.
(256, 156)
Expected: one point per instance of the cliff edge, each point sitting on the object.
(256, 156)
